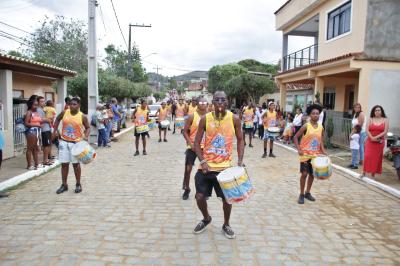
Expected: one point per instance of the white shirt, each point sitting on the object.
(297, 121)
(321, 118)
(355, 141)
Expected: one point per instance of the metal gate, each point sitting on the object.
(19, 138)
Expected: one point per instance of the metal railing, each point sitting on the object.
(341, 130)
(300, 58)
(19, 138)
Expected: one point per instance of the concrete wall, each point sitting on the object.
(32, 85)
(384, 90)
(382, 39)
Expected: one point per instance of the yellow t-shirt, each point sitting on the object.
(49, 111)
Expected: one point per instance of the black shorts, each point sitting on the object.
(248, 130)
(159, 127)
(190, 157)
(306, 167)
(46, 138)
(141, 134)
(206, 182)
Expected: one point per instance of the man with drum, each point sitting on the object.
(270, 123)
(179, 115)
(248, 115)
(162, 115)
(189, 133)
(218, 129)
(311, 145)
(141, 118)
(192, 107)
(75, 128)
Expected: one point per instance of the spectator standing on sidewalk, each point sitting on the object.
(101, 128)
(33, 123)
(117, 115)
(355, 146)
(359, 119)
(377, 127)
(298, 120)
(109, 122)
(46, 131)
(260, 126)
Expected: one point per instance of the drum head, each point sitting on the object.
(321, 161)
(230, 174)
(78, 148)
(274, 129)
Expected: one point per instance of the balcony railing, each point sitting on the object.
(301, 58)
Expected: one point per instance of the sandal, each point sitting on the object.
(48, 163)
(31, 168)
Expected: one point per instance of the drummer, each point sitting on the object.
(162, 115)
(248, 114)
(180, 112)
(141, 118)
(269, 120)
(189, 133)
(75, 127)
(311, 145)
(219, 129)
(192, 107)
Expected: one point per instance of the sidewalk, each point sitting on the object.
(342, 158)
(14, 172)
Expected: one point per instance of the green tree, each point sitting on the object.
(219, 75)
(16, 53)
(60, 42)
(173, 84)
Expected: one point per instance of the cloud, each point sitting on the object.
(186, 34)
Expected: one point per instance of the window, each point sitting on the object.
(49, 96)
(18, 94)
(329, 99)
(339, 21)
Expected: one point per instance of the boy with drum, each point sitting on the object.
(311, 145)
(141, 118)
(248, 115)
(162, 115)
(270, 122)
(179, 115)
(218, 129)
(189, 133)
(75, 128)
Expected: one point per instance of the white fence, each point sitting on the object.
(19, 138)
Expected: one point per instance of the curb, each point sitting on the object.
(16, 180)
(392, 191)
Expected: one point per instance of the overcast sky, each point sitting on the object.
(186, 34)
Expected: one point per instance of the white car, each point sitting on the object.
(153, 110)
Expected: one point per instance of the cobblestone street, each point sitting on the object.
(131, 212)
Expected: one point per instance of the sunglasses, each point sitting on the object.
(203, 103)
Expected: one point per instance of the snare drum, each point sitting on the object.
(179, 122)
(322, 167)
(273, 132)
(83, 152)
(235, 184)
(152, 124)
(141, 129)
(164, 124)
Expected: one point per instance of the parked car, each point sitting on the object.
(153, 110)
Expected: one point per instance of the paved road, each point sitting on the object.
(130, 212)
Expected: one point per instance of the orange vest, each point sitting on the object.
(248, 116)
(218, 145)
(310, 143)
(193, 129)
(162, 114)
(191, 110)
(180, 110)
(72, 126)
(269, 119)
(141, 117)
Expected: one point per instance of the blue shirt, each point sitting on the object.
(115, 109)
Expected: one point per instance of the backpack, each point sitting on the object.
(20, 125)
(93, 120)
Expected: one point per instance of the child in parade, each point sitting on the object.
(311, 145)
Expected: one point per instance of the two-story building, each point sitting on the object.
(355, 56)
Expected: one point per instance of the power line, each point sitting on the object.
(15, 27)
(12, 35)
(116, 17)
(102, 18)
(15, 40)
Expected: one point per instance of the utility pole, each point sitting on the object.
(130, 74)
(93, 91)
(158, 85)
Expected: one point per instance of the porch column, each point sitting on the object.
(319, 86)
(6, 98)
(363, 89)
(61, 94)
(282, 102)
(284, 51)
